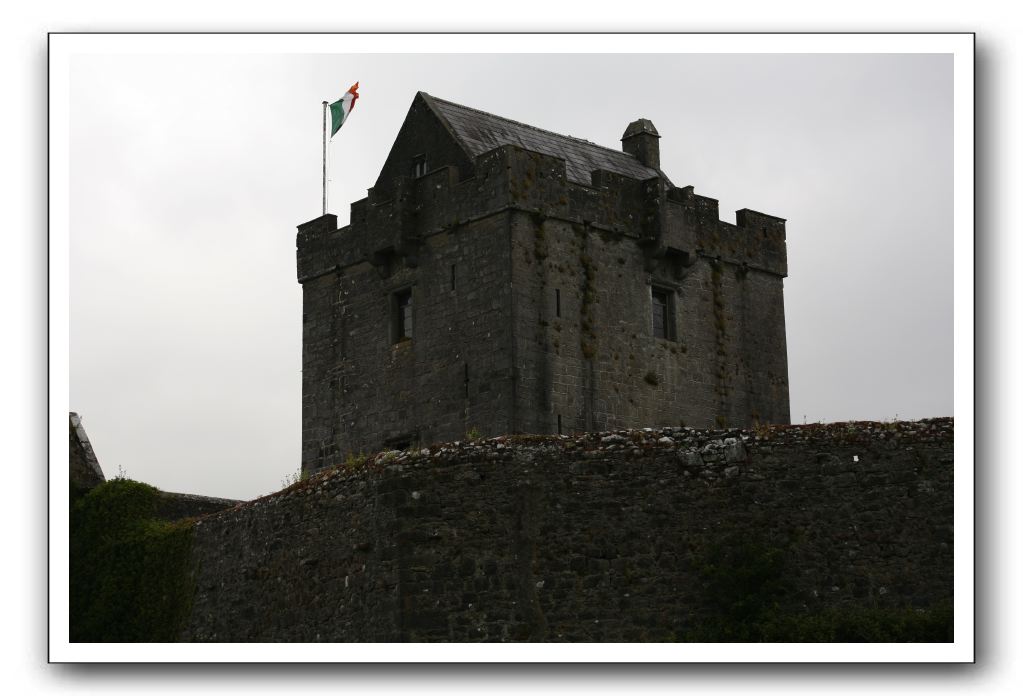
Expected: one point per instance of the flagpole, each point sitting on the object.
(324, 158)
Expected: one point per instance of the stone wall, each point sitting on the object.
(488, 259)
(85, 471)
(609, 536)
(585, 356)
(363, 390)
(176, 506)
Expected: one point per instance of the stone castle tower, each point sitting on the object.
(501, 278)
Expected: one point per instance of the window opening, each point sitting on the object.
(418, 166)
(659, 306)
(401, 321)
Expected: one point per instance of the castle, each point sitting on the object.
(500, 278)
(504, 279)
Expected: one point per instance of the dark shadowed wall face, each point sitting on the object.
(824, 533)
(368, 387)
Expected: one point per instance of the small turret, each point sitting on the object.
(640, 141)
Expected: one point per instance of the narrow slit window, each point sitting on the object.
(662, 314)
(557, 302)
(401, 319)
(418, 166)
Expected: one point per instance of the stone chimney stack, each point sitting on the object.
(640, 141)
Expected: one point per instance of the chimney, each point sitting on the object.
(640, 141)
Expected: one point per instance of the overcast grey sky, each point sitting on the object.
(190, 173)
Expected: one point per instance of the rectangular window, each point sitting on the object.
(418, 166)
(662, 315)
(557, 302)
(401, 315)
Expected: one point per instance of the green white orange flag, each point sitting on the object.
(340, 109)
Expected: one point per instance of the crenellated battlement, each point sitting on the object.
(501, 278)
(656, 214)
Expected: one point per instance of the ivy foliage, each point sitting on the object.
(131, 574)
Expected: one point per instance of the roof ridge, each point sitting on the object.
(536, 128)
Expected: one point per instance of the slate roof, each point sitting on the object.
(480, 132)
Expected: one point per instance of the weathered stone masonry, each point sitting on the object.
(86, 472)
(599, 537)
(532, 259)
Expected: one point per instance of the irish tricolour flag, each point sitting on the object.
(340, 109)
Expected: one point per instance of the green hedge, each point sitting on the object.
(131, 574)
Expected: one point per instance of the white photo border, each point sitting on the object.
(63, 48)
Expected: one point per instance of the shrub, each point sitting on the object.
(131, 574)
